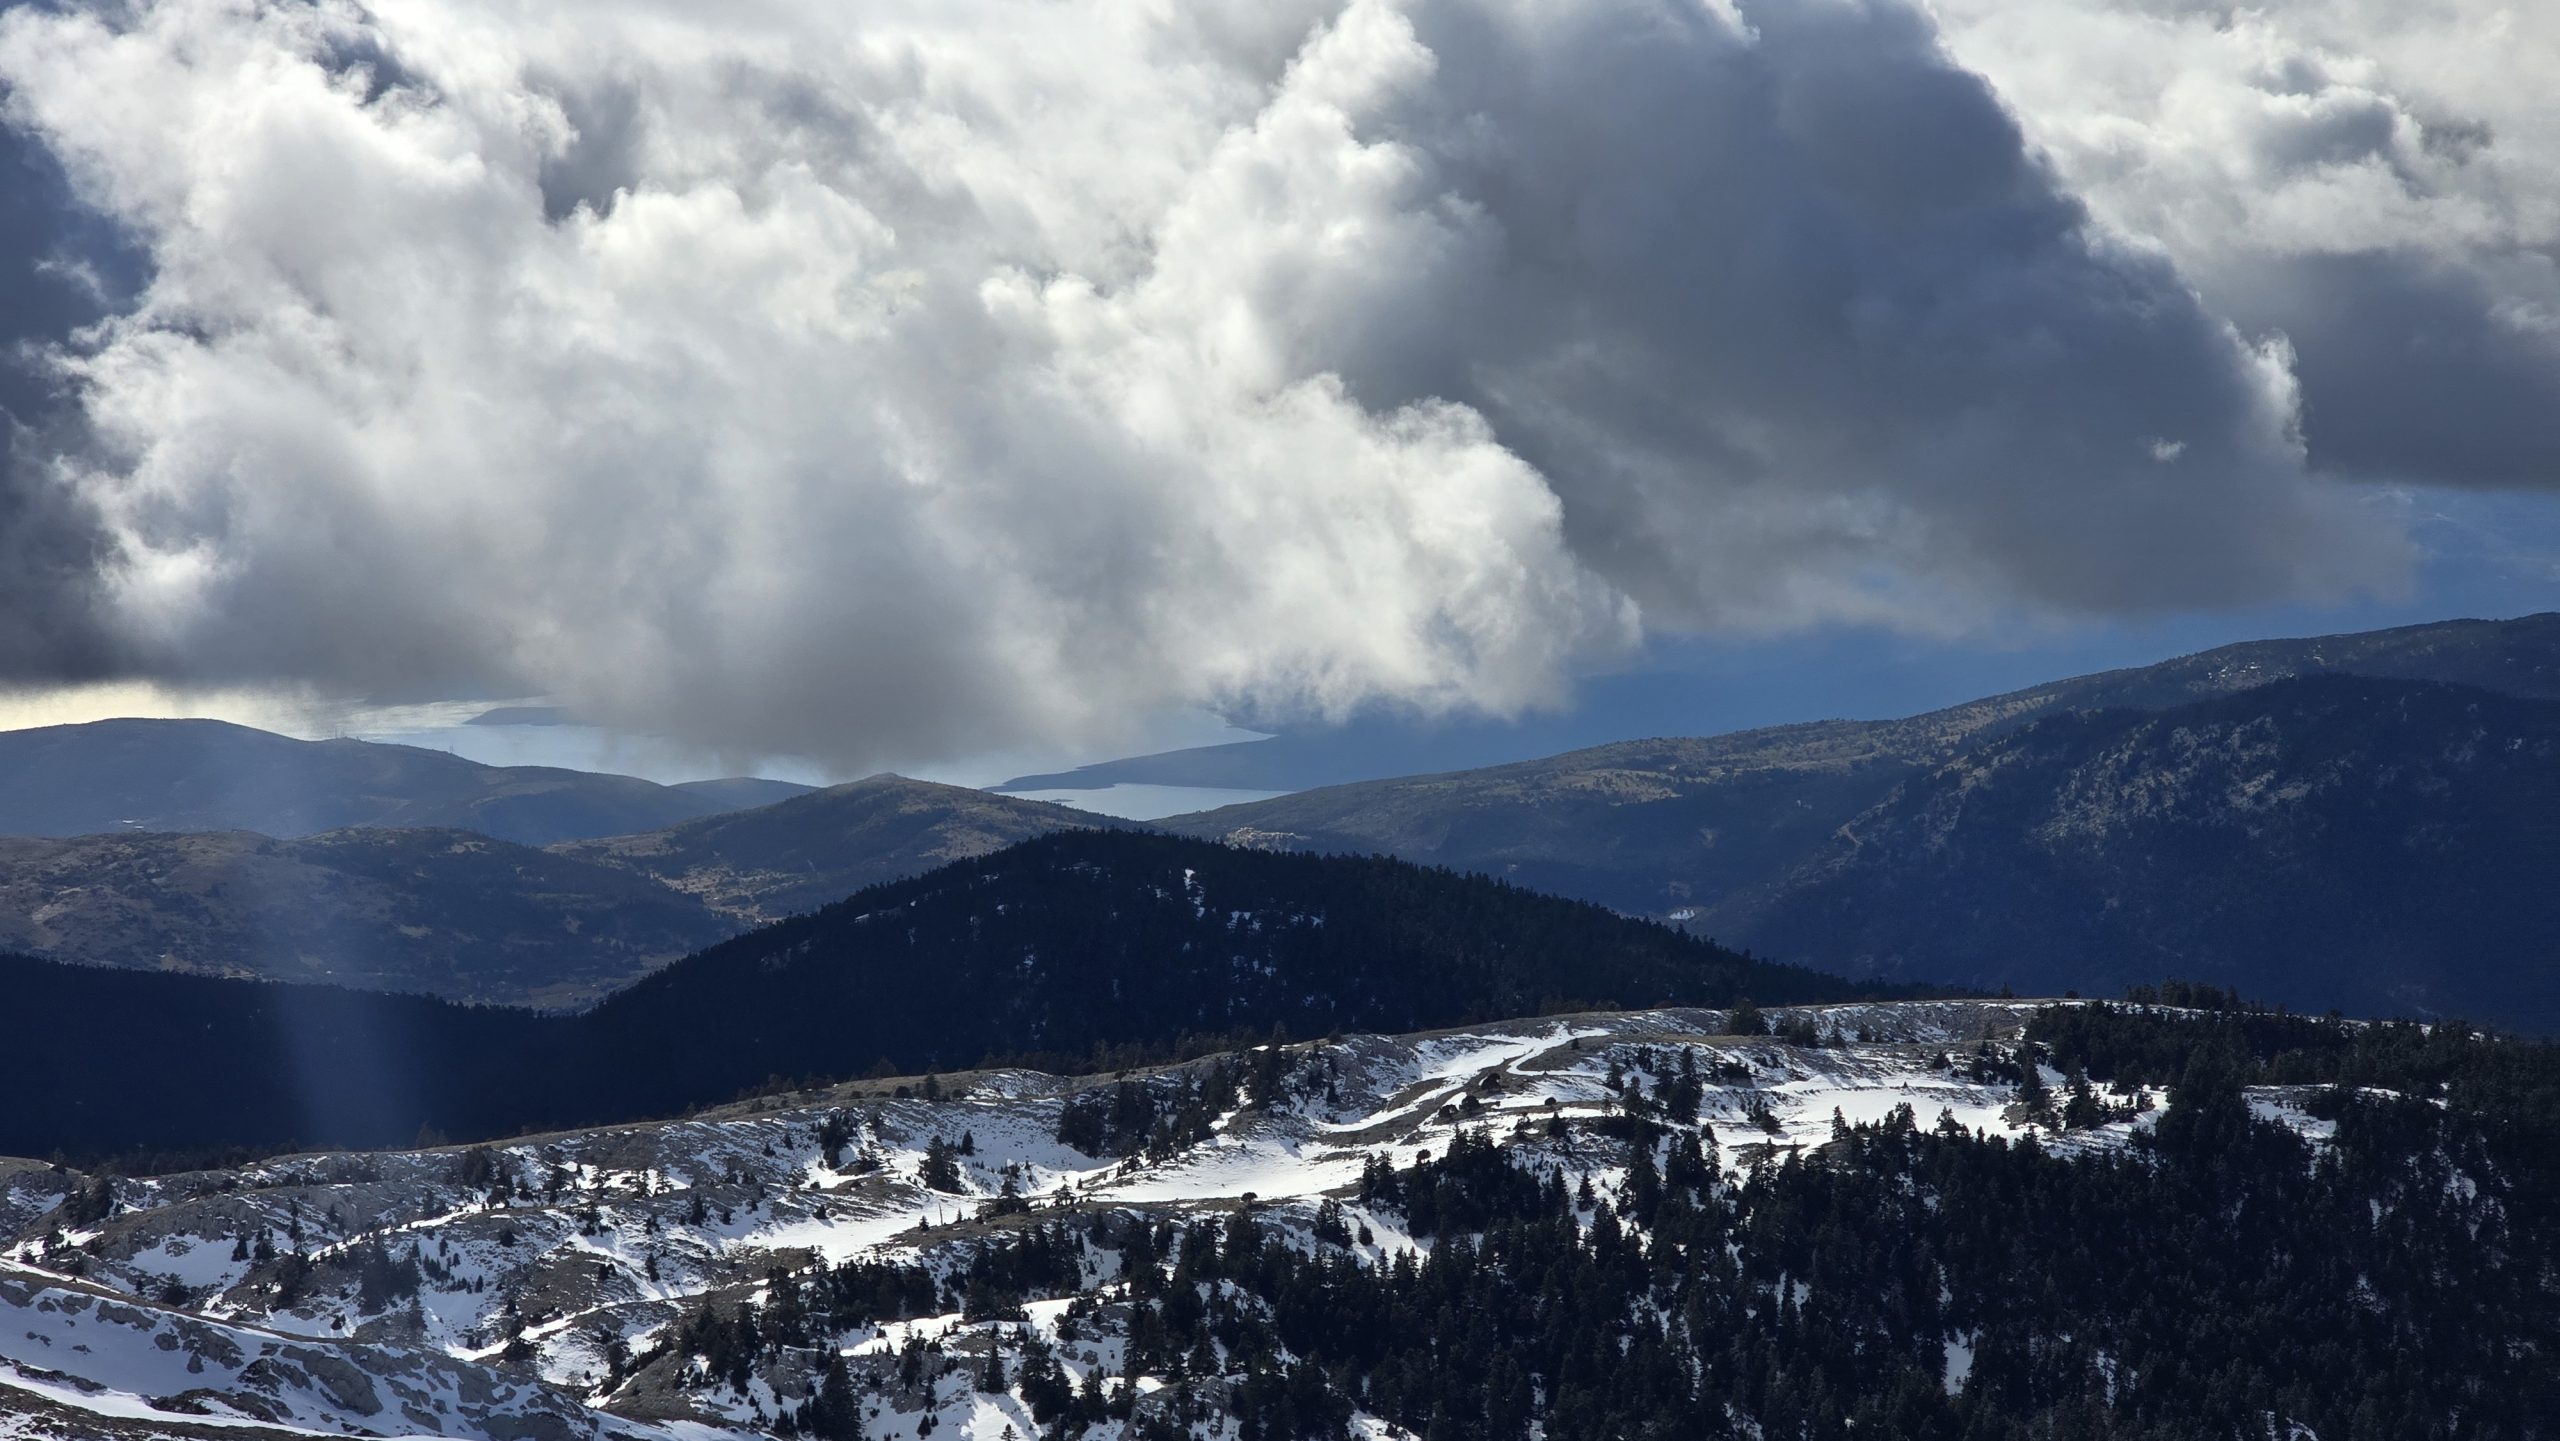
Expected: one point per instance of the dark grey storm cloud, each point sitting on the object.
(52, 551)
(2373, 181)
(1799, 301)
(61, 267)
(881, 381)
(2411, 369)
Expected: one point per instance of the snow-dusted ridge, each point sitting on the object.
(181, 1313)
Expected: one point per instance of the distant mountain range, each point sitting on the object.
(201, 775)
(1733, 835)
(444, 912)
(455, 914)
(801, 853)
(1363, 751)
(1838, 844)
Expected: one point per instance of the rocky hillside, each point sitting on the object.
(1973, 1211)
(2381, 846)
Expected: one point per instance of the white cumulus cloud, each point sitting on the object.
(890, 381)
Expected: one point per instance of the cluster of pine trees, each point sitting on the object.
(1157, 1118)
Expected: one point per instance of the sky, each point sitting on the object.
(961, 386)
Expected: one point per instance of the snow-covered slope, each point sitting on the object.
(87, 1350)
(519, 1290)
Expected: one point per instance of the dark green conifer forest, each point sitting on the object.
(1084, 950)
(2225, 1277)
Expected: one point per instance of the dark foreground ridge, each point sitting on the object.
(1073, 950)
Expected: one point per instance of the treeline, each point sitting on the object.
(1077, 948)
(2504, 1092)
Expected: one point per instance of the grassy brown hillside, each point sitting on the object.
(444, 912)
(460, 915)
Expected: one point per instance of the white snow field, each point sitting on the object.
(175, 1314)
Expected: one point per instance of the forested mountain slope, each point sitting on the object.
(101, 1060)
(1663, 827)
(1074, 945)
(1704, 832)
(1082, 940)
(2382, 846)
